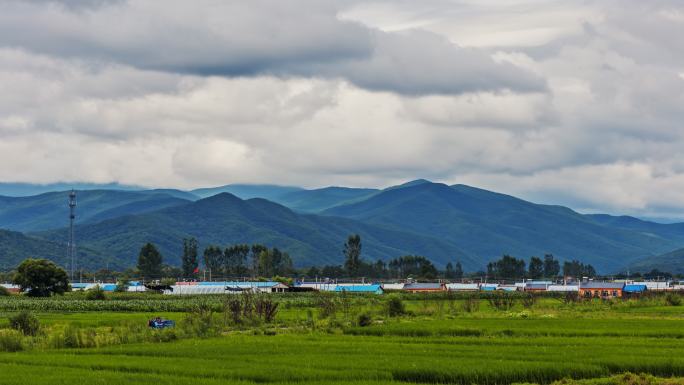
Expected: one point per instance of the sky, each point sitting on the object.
(579, 103)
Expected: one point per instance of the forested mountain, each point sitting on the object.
(444, 223)
(50, 210)
(15, 247)
(487, 224)
(225, 219)
(317, 200)
(671, 262)
(247, 191)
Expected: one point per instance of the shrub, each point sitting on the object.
(4, 292)
(327, 304)
(365, 319)
(673, 299)
(95, 294)
(26, 323)
(122, 286)
(395, 306)
(10, 340)
(266, 308)
(471, 304)
(528, 300)
(501, 301)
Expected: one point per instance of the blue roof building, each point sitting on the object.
(374, 289)
(634, 288)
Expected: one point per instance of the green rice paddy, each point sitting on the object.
(437, 342)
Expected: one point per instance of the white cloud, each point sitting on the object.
(560, 102)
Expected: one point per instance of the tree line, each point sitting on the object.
(508, 267)
(233, 261)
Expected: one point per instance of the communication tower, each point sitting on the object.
(71, 246)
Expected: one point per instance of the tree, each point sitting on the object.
(256, 251)
(234, 259)
(189, 262)
(536, 268)
(506, 268)
(578, 269)
(213, 259)
(458, 270)
(352, 254)
(41, 278)
(415, 266)
(449, 271)
(150, 261)
(551, 266)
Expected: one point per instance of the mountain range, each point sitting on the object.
(444, 223)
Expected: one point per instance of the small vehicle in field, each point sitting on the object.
(159, 323)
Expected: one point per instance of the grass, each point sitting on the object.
(588, 343)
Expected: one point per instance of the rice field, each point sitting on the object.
(542, 344)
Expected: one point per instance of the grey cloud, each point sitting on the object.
(261, 37)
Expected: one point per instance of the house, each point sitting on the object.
(507, 288)
(489, 286)
(416, 287)
(392, 286)
(536, 287)
(654, 285)
(462, 287)
(562, 288)
(11, 287)
(605, 290)
(371, 289)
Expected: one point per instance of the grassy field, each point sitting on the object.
(437, 341)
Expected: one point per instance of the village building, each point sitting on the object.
(603, 290)
(417, 287)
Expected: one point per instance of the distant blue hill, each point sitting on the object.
(247, 191)
(29, 189)
(487, 224)
(50, 210)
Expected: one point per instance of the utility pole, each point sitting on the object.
(71, 246)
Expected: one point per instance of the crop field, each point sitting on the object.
(433, 341)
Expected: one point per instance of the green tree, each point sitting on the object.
(41, 278)
(506, 268)
(551, 266)
(150, 261)
(415, 266)
(255, 256)
(234, 259)
(213, 259)
(352, 254)
(458, 270)
(578, 269)
(536, 268)
(189, 262)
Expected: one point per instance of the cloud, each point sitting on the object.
(566, 103)
(262, 37)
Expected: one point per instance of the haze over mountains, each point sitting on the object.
(444, 223)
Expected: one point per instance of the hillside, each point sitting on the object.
(15, 247)
(225, 219)
(489, 224)
(674, 231)
(247, 191)
(50, 210)
(672, 262)
(316, 200)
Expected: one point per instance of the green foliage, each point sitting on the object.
(11, 340)
(189, 260)
(26, 323)
(364, 319)
(551, 266)
(471, 304)
(41, 278)
(150, 261)
(506, 268)
(122, 285)
(536, 268)
(673, 299)
(576, 268)
(95, 294)
(352, 255)
(412, 266)
(395, 306)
